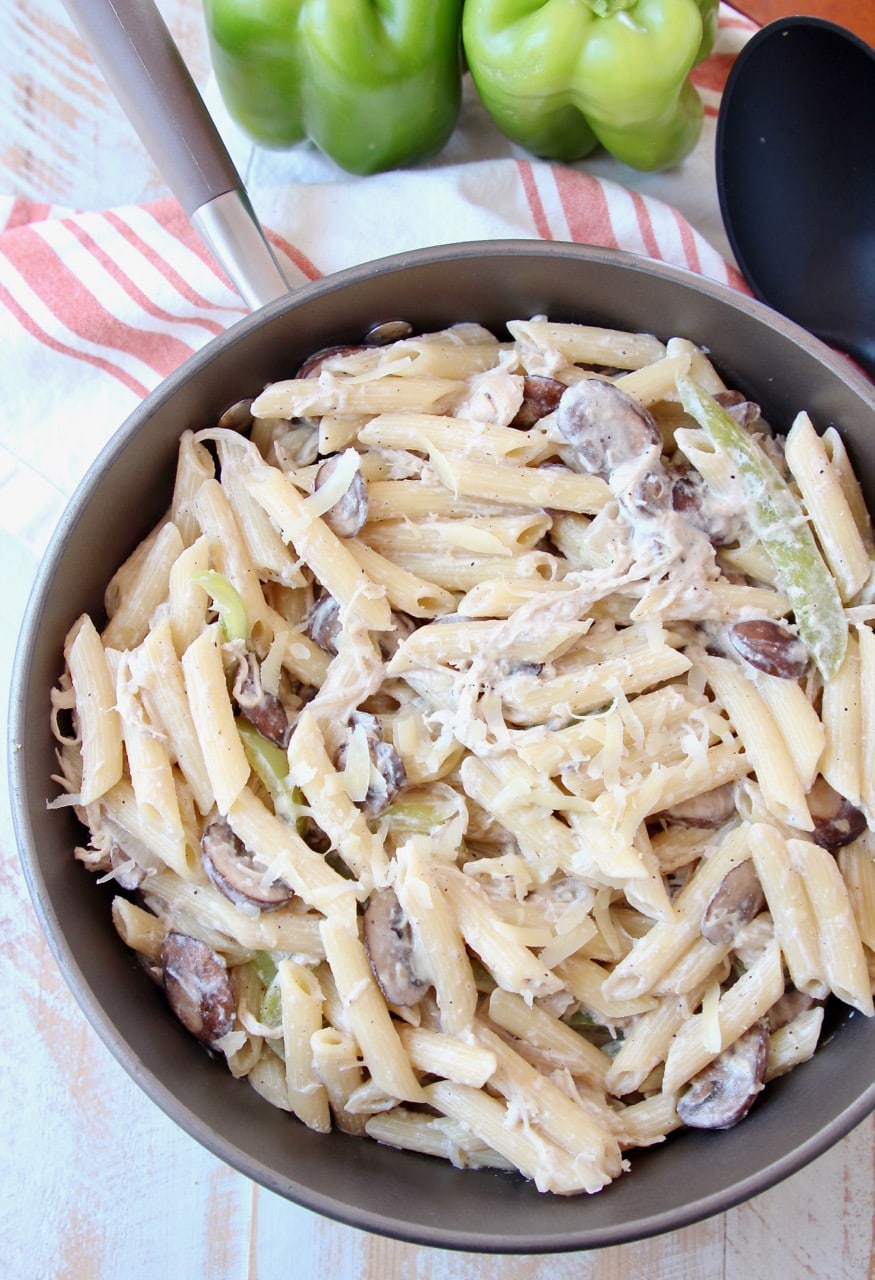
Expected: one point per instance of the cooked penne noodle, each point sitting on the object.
(650, 1120)
(100, 729)
(194, 466)
(537, 1027)
(794, 1043)
(589, 344)
(266, 550)
(743, 1004)
(841, 762)
(343, 823)
(534, 1155)
(436, 1053)
(801, 727)
(322, 550)
(484, 536)
(843, 469)
(188, 600)
(302, 1019)
(857, 865)
(517, 485)
(138, 588)
(646, 1045)
(788, 901)
(213, 718)
(405, 591)
(827, 506)
(434, 1136)
(460, 570)
(866, 648)
(512, 965)
(440, 939)
(337, 1063)
(366, 1010)
(150, 771)
(653, 955)
(416, 499)
(841, 950)
(764, 742)
(229, 555)
(422, 431)
(593, 685)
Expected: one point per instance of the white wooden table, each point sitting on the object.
(94, 1180)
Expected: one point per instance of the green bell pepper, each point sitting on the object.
(376, 84)
(560, 76)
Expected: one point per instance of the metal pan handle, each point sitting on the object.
(134, 49)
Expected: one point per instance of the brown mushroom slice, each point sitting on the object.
(312, 366)
(324, 624)
(724, 1092)
(786, 1009)
(605, 427)
(745, 412)
(236, 873)
(237, 417)
(391, 774)
(350, 513)
(541, 396)
(738, 899)
(262, 709)
(403, 627)
(708, 809)
(197, 987)
(770, 647)
(389, 944)
(836, 820)
(385, 332)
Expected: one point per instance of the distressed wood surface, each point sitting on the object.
(94, 1180)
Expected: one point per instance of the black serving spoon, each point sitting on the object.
(796, 177)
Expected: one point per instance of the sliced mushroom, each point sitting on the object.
(724, 1092)
(237, 417)
(262, 709)
(312, 366)
(324, 624)
(350, 513)
(745, 412)
(737, 900)
(604, 426)
(126, 871)
(770, 647)
(836, 820)
(403, 626)
(540, 396)
(389, 944)
(709, 809)
(385, 332)
(788, 1008)
(391, 775)
(237, 873)
(197, 986)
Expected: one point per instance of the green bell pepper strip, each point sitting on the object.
(376, 84)
(560, 76)
(779, 522)
(228, 604)
(271, 765)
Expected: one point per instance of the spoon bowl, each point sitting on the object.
(796, 177)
